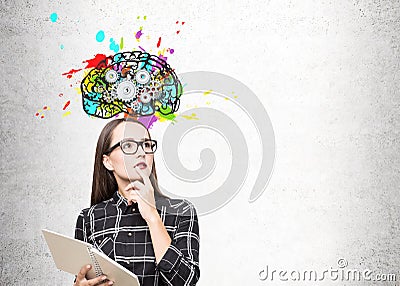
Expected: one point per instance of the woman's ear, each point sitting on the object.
(107, 163)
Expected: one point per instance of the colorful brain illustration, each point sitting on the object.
(135, 83)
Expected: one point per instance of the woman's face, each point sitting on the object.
(122, 164)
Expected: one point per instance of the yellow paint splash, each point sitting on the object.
(207, 92)
(66, 113)
(190, 117)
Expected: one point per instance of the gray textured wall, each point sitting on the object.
(327, 72)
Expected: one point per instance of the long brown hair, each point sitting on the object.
(104, 183)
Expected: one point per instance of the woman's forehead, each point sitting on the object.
(131, 130)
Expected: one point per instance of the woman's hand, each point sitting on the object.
(82, 281)
(143, 194)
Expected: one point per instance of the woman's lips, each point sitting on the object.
(141, 165)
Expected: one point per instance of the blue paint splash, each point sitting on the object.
(62, 47)
(53, 17)
(100, 36)
(113, 46)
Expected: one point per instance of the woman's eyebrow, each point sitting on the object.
(140, 139)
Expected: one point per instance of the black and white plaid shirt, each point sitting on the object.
(119, 231)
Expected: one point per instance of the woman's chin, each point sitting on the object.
(136, 177)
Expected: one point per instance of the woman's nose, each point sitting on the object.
(140, 150)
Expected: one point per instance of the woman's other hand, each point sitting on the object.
(82, 281)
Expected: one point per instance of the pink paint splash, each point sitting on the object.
(162, 57)
(138, 34)
(148, 120)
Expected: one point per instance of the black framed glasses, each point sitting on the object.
(130, 146)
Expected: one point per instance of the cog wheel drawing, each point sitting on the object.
(126, 91)
(111, 76)
(142, 76)
(145, 97)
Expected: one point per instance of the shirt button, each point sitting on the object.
(133, 210)
(127, 262)
(130, 234)
(99, 240)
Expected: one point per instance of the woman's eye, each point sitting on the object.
(127, 145)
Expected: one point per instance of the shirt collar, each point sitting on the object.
(120, 201)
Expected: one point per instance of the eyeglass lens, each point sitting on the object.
(131, 147)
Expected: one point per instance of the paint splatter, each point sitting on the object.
(159, 42)
(53, 17)
(66, 104)
(71, 72)
(92, 63)
(162, 57)
(66, 113)
(39, 112)
(171, 51)
(61, 95)
(121, 43)
(207, 92)
(190, 117)
(62, 47)
(139, 34)
(177, 22)
(146, 120)
(113, 46)
(100, 36)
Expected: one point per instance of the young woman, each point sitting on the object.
(130, 220)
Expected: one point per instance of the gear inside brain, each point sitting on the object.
(134, 83)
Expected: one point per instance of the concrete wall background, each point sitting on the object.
(327, 72)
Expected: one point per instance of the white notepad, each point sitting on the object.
(71, 254)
